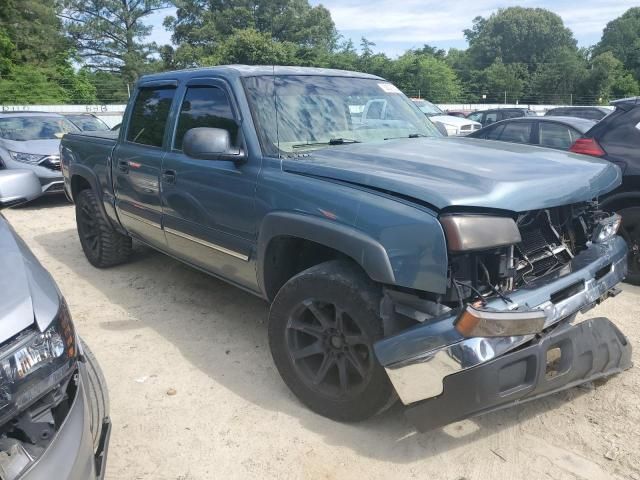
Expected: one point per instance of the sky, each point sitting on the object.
(396, 26)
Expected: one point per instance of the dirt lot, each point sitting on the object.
(158, 326)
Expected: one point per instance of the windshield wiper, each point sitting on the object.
(332, 141)
(411, 135)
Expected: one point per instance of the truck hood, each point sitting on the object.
(36, 147)
(464, 172)
(27, 291)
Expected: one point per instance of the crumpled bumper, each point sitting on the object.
(584, 352)
(422, 360)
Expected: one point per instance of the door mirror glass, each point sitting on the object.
(210, 144)
(18, 186)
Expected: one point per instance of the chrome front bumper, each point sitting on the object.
(418, 359)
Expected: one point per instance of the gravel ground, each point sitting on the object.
(195, 395)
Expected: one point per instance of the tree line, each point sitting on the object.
(93, 51)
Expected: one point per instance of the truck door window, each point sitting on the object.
(205, 107)
(149, 116)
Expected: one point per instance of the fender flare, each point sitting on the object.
(90, 176)
(364, 250)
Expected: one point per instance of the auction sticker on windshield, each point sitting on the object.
(389, 88)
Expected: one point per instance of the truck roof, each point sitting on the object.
(253, 71)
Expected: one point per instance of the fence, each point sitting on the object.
(110, 114)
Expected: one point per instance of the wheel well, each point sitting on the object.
(78, 184)
(287, 256)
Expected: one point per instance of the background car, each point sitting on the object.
(617, 138)
(590, 113)
(450, 124)
(54, 404)
(87, 122)
(551, 132)
(32, 140)
(487, 117)
(456, 113)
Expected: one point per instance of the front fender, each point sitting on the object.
(367, 252)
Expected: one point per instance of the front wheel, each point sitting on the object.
(322, 326)
(630, 231)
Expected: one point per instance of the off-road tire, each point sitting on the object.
(336, 285)
(101, 243)
(97, 394)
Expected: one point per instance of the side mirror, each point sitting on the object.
(18, 186)
(211, 144)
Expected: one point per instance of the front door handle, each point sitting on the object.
(123, 166)
(169, 176)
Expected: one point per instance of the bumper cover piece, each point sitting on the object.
(587, 351)
(419, 359)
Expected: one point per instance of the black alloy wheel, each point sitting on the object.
(323, 324)
(328, 349)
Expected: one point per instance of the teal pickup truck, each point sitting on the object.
(446, 272)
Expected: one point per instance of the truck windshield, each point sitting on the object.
(22, 129)
(296, 113)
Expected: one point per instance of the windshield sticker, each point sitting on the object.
(389, 88)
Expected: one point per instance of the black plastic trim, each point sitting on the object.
(589, 350)
(366, 251)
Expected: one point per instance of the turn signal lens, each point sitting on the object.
(479, 322)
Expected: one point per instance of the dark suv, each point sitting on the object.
(487, 117)
(617, 138)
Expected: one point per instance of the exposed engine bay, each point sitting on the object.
(550, 239)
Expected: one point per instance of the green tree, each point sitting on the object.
(30, 84)
(109, 34)
(608, 79)
(559, 80)
(34, 29)
(251, 47)
(7, 53)
(621, 37)
(201, 28)
(500, 81)
(529, 36)
(428, 75)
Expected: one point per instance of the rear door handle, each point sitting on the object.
(123, 166)
(169, 176)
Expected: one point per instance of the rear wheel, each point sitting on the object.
(322, 326)
(630, 231)
(102, 244)
(97, 394)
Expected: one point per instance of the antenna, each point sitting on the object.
(275, 106)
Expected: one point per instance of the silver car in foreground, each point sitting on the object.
(30, 140)
(53, 398)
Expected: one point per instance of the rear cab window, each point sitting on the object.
(205, 106)
(148, 120)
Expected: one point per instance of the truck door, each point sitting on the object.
(208, 205)
(137, 162)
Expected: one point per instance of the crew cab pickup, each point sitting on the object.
(447, 272)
